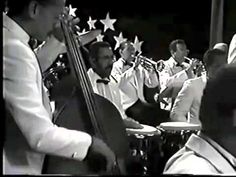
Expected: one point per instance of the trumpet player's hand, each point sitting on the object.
(57, 31)
(160, 66)
(192, 65)
(200, 69)
(136, 62)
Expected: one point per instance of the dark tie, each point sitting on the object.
(32, 43)
(104, 81)
(179, 65)
(128, 64)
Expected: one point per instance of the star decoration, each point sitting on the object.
(100, 37)
(108, 23)
(119, 40)
(72, 11)
(137, 45)
(91, 23)
(82, 32)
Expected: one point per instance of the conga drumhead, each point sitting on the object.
(146, 130)
(177, 126)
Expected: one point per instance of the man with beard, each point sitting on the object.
(101, 58)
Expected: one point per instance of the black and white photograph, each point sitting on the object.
(93, 88)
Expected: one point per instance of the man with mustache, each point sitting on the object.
(101, 58)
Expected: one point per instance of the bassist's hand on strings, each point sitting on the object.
(100, 157)
(73, 21)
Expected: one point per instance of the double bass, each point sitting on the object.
(83, 110)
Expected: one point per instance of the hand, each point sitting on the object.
(160, 65)
(100, 157)
(137, 61)
(200, 69)
(131, 123)
(57, 31)
(158, 98)
(192, 65)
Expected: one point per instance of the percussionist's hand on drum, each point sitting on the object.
(131, 123)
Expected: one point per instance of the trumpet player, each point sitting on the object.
(175, 72)
(137, 98)
(189, 98)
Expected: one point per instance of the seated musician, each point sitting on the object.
(29, 132)
(176, 71)
(101, 59)
(213, 150)
(189, 98)
(134, 91)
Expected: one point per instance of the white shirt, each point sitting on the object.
(201, 155)
(172, 76)
(189, 100)
(29, 130)
(109, 91)
(232, 50)
(133, 89)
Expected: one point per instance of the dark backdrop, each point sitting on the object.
(158, 22)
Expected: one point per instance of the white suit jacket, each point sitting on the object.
(173, 77)
(189, 100)
(232, 50)
(199, 157)
(29, 131)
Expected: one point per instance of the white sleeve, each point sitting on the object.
(122, 77)
(22, 93)
(182, 103)
(150, 79)
(48, 51)
(232, 50)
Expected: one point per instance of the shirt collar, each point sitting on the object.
(94, 75)
(172, 60)
(225, 153)
(15, 28)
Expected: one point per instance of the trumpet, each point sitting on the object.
(149, 64)
(199, 68)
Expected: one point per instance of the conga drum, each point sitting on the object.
(174, 135)
(142, 143)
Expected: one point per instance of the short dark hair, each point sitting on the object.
(210, 56)
(219, 100)
(15, 8)
(123, 44)
(173, 44)
(95, 46)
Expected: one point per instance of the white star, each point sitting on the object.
(82, 32)
(100, 37)
(137, 45)
(72, 11)
(91, 23)
(108, 23)
(119, 40)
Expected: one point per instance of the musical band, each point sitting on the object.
(130, 115)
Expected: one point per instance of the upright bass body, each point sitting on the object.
(74, 117)
(81, 109)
